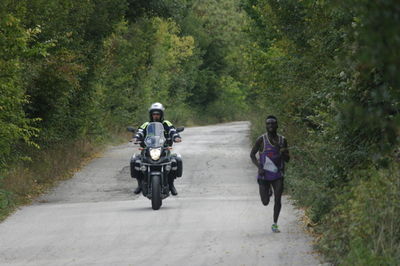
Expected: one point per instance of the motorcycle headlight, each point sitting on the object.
(155, 154)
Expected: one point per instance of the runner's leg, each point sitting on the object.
(278, 189)
(264, 188)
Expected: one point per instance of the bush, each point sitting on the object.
(369, 217)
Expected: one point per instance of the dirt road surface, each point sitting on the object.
(217, 218)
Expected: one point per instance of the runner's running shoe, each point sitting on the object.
(275, 228)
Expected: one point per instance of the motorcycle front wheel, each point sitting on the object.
(156, 200)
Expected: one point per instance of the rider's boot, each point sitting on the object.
(172, 188)
(139, 187)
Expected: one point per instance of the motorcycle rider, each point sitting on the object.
(156, 114)
(273, 154)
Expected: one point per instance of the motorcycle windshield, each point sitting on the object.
(155, 135)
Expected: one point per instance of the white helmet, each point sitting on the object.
(157, 107)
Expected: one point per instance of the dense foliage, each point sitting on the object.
(329, 71)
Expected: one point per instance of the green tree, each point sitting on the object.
(14, 126)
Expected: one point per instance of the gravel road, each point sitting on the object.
(217, 218)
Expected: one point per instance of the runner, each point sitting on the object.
(273, 153)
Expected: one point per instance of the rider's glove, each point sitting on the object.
(137, 139)
(139, 135)
(177, 138)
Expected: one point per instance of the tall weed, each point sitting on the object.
(365, 225)
(29, 179)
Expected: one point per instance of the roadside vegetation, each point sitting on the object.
(330, 71)
(74, 74)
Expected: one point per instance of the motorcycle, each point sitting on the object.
(156, 164)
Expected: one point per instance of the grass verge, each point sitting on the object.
(27, 180)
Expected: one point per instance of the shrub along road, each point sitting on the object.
(217, 218)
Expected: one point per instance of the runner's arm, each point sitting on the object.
(256, 148)
(285, 151)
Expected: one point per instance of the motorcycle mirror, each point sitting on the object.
(180, 129)
(131, 129)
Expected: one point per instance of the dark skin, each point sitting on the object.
(272, 127)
